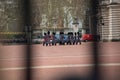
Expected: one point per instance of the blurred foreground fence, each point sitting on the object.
(20, 37)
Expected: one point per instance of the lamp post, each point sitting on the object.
(29, 34)
(76, 23)
(54, 23)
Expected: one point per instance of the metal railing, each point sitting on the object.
(12, 37)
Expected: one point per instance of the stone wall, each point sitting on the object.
(110, 13)
(114, 24)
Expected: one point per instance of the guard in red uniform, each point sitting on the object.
(78, 38)
(53, 39)
(49, 40)
(45, 40)
(75, 39)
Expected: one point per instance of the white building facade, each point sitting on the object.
(110, 13)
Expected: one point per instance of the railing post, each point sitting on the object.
(27, 24)
(96, 74)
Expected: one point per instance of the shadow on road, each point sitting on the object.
(73, 76)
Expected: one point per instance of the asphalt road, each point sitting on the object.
(51, 62)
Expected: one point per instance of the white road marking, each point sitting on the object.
(62, 66)
(37, 57)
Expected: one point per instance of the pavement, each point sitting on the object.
(51, 62)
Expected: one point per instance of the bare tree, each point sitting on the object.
(9, 14)
(59, 10)
(63, 11)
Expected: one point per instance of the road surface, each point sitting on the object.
(51, 62)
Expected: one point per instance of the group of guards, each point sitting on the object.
(71, 39)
